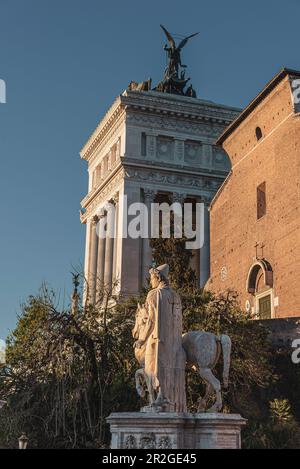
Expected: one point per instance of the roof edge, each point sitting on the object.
(254, 103)
(217, 194)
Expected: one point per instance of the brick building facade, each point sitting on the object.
(255, 220)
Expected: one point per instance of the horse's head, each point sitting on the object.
(140, 319)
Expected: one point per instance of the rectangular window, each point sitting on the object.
(261, 200)
(144, 144)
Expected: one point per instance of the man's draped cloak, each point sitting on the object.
(165, 357)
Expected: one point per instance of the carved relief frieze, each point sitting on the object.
(165, 148)
(176, 125)
(147, 441)
(193, 153)
(173, 180)
(130, 442)
(164, 443)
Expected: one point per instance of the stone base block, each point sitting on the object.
(138, 430)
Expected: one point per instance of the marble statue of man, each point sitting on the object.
(164, 356)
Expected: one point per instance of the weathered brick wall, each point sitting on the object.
(275, 159)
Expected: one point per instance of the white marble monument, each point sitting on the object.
(135, 430)
(157, 145)
(149, 145)
(162, 353)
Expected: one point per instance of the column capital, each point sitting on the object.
(95, 220)
(114, 199)
(149, 195)
(206, 200)
(102, 216)
(178, 197)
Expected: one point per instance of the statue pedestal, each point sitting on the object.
(138, 430)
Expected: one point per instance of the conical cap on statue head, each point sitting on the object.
(162, 270)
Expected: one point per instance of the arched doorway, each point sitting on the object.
(260, 286)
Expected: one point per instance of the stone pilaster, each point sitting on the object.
(207, 155)
(179, 151)
(205, 250)
(150, 146)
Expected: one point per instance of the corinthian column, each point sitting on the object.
(93, 260)
(179, 198)
(115, 273)
(149, 196)
(109, 252)
(101, 251)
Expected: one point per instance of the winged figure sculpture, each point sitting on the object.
(174, 52)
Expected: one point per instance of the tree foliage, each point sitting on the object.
(65, 373)
(67, 370)
(172, 251)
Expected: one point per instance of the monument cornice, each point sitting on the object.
(103, 128)
(107, 138)
(179, 106)
(159, 104)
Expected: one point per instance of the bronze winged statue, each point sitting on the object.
(174, 52)
(174, 80)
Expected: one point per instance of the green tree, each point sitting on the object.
(66, 372)
(172, 251)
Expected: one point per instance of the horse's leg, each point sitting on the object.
(203, 401)
(139, 376)
(150, 390)
(208, 376)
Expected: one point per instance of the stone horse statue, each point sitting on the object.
(202, 350)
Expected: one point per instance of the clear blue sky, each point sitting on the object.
(64, 62)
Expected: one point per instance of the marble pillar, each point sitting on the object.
(149, 196)
(115, 273)
(179, 198)
(109, 251)
(101, 252)
(93, 260)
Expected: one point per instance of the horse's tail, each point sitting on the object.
(226, 350)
